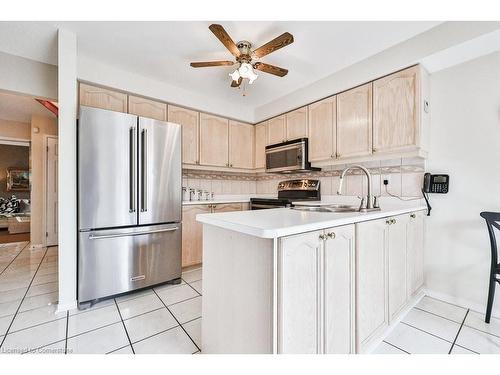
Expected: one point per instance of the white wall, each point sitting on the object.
(400, 56)
(465, 143)
(67, 169)
(24, 76)
(97, 72)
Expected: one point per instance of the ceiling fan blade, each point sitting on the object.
(224, 37)
(237, 83)
(271, 69)
(282, 41)
(203, 64)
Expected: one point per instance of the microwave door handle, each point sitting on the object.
(133, 168)
(144, 178)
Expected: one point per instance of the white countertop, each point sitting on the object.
(228, 199)
(279, 222)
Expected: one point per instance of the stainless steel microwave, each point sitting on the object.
(289, 157)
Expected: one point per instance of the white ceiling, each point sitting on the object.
(21, 108)
(163, 50)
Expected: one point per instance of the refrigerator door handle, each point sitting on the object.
(144, 177)
(133, 168)
(100, 237)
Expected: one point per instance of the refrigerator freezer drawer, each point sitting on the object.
(115, 261)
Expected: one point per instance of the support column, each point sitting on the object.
(67, 207)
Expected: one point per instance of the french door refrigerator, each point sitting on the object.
(129, 203)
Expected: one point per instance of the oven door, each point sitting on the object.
(286, 157)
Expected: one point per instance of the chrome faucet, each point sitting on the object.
(371, 201)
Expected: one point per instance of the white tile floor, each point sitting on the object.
(167, 319)
(164, 319)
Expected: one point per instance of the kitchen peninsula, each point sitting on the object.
(299, 281)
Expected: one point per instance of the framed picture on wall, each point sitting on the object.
(18, 179)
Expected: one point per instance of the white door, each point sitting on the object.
(51, 191)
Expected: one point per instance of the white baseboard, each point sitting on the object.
(66, 307)
(478, 307)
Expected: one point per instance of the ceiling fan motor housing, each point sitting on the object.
(245, 49)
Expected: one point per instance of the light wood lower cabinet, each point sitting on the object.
(316, 292)
(192, 231)
(389, 256)
(99, 97)
(147, 108)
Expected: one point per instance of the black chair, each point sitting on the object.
(492, 221)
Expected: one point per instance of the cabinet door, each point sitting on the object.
(321, 129)
(190, 122)
(298, 304)
(214, 138)
(339, 288)
(192, 234)
(371, 281)
(99, 97)
(396, 110)
(241, 144)
(276, 130)
(396, 246)
(296, 124)
(260, 145)
(415, 252)
(226, 207)
(354, 122)
(147, 108)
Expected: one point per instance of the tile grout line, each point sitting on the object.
(439, 316)
(397, 347)
(124, 327)
(429, 333)
(13, 259)
(22, 300)
(458, 333)
(192, 287)
(179, 323)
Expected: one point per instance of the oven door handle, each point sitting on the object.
(264, 206)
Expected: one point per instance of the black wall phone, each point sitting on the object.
(434, 183)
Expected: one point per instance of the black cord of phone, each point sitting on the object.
(429, 208)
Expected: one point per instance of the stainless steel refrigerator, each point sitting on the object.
(129, 203)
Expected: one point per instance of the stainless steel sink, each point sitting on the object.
(328, 208)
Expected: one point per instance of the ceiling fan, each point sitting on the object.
(242, 51)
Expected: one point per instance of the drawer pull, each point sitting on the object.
(94, 237)
(331, 235)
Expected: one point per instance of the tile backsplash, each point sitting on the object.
(405, 179)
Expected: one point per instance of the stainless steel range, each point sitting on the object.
(288, 192)
(129, 203)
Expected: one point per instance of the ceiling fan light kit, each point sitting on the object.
(242, 51)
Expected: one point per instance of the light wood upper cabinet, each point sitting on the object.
(354, 122)
(396, 111)
(99, 97)
(190, 122)
(276, 130)
(214, 138)
(321, 129)
(192, 234)
(296, 124)
(260, 145)
(241, 145)
(147, 108)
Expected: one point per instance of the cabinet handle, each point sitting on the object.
(231, 165)
(388, 222)
(331, 235)
(413, 216)
(322, 237)
(393, 221)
